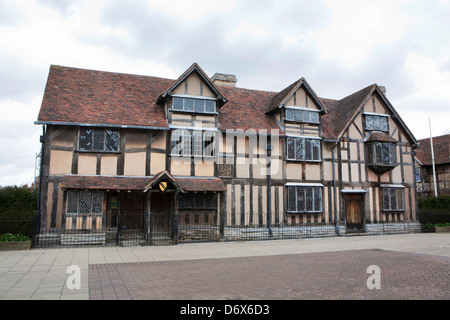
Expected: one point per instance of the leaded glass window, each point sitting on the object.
(392, 199)
(374, 122)
(304, 199)
(98, 139)
(196, 105)
(192, 200)
(299, 115)
(84, 202)
(304, 149)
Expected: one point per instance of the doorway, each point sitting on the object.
(354, 212)
(162, 218)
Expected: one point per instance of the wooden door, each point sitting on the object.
(161, 207)
(354, 215)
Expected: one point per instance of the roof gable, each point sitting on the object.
(194, 68)
(343, 112)
(281, 98)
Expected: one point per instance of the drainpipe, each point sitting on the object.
(269, 191)
(336, 227)
(37, 216)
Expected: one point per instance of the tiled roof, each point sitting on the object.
(341, 112)
(80, 96)
(102, 98)
(441, 148)
(104, 182)
(71, 181)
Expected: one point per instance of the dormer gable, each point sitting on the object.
(298, 94)
(194, 84)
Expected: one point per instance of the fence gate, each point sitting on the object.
(163, 223)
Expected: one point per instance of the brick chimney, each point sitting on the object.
(224, 79)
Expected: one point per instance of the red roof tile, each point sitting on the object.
(441, 148)
(102, 98)
(140, 183)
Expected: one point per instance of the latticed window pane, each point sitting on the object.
(308, 149)
(84, 202)
(316, 150)
(291, 148)
(196, 201)
(85, 140)
(99, 140)
(210, 106)
(314, 117)
(309, 200)
(72, 202)
(383, 123)
(369, 122)
(112, 140)
(299, 149)
(317, 199)
(97, 202)
(199, 105)
(177, 104)
(298, 115)
(198, 143)
(187, 143)
(292, 199)
(290, 114)
(188, 104)
(400, 205)
(300, 199)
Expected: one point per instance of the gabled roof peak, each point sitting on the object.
(284, 95)
(193, 68)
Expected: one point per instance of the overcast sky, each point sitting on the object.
(338, 46)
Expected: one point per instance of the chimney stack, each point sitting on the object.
(383, 90)
(224, 79)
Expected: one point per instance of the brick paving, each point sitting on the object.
(339, 275)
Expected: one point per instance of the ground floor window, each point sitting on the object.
(192, 200)
(392, 199)
(85, 201)
(304, 199)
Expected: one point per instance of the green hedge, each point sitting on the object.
(18, 206)
(18, 202)
(439, 203)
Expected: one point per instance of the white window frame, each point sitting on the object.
(298, 111)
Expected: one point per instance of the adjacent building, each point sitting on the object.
(441, 173)
(147, 160)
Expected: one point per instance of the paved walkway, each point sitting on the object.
(43, 273)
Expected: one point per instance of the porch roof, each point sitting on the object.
(104, 182)
(185, 184)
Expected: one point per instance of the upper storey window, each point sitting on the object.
(98, 140)
(302, 115)
(194, 105)
(375, 122)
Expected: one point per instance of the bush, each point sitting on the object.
(439, 203)
(18, 202)
(8, 237)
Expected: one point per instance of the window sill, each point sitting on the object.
(95, 151)
(213, 113)
(304, 212)
(381, 168)
(303, 161)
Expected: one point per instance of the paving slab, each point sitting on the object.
(43, 273)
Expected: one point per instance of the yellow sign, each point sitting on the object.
(163, 186)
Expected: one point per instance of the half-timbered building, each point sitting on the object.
(146, 160)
